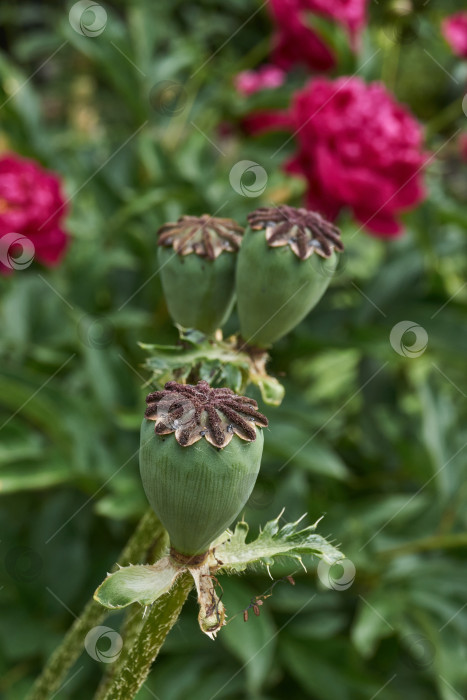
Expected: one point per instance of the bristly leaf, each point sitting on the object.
(220, 363)
(137, 584)
(272, 391)
(230, 553)
(274, 541)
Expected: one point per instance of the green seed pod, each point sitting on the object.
(197, 257)
(199, 459)
(278, 281)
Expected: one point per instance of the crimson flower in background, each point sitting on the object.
(295, 41)
(357, 148)
(454, 30)
(31, 205)
(463, 146)
(350, 13)
(264, 78)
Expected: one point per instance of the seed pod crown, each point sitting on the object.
(205, 235)
(197, 256)
(196, 492)
(196, 411)
(306, 232)
(277, 279)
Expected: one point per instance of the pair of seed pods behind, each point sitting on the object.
(201, 447)
(271, 268)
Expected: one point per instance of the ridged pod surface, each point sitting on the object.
(197, 258)
(200, 456)
(278, 281)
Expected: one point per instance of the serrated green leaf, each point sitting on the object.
(191, 335)
(272, 392)
(235, 376)
(137, 584)
(274, 541)
(217, 362)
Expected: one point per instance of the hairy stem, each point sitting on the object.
(130, 631)
(148, 530)
(131, 627)
(162, 617)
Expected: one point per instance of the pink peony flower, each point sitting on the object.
(454, 29)
(350, 13)
(265, 78)
(296, 42)
(357, 148)
(31, 208)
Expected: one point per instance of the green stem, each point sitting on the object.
(72, 646)
(67, 653)
(425, 544)
(162, 617)
(130, 630)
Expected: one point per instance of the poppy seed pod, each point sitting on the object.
(197, 257)
(199, 459)
(278, 281)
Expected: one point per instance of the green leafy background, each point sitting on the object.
(374, 440)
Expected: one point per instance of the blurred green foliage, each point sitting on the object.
(373, 439)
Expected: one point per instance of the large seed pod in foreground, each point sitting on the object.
(200, 456)
(278, 281)
(197, 257)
